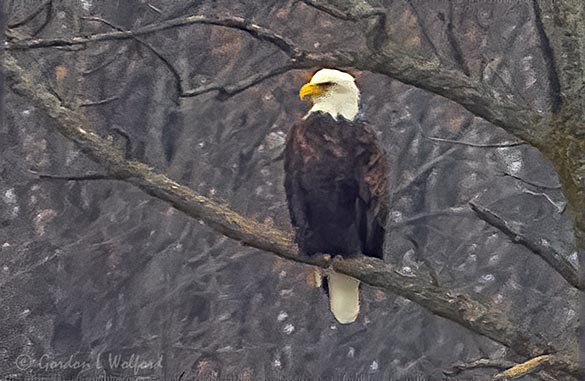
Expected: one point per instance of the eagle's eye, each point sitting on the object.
(326, 84)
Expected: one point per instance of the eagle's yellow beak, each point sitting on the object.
(311, 89)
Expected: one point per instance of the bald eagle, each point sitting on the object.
(336, 183)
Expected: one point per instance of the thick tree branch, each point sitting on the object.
(460, 308)
(478, 98)
(559, 262)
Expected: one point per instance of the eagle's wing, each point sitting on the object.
(294, 192)
(372, 179)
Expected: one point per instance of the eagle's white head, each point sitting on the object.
(334, 92)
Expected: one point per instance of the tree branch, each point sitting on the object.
(529, 367)
(557, 261)
(534, 184)
(226, 91)
(422, 170)
(470, 144)
(89, 177)
(481, 363)
(357, 10)
(460, 308)
(239, 23)
(478, 98)
(162, 58)
(561, 31)
(339, 14)
(88, 103)
(35, 12)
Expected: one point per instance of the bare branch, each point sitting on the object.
(560, 263)
(423, 169)
(238, 23)
(549, 58)
(44, 5)
(423, 29)
(524, 369)
(92, 176)
(470, 144)
(100, 102)
(226, 91)
(460, 308)
(454, 43)
(339, 14)
(515, 371)
(458, 211)
(534, 184)
(154, 8)
(164, 60)
(114, 57)
(481, 363)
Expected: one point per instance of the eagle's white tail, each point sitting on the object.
(344, 297)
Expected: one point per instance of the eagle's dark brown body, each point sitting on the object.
(336, 186)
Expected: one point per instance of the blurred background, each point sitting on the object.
(95, 269)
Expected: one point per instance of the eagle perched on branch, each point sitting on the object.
(336, 183)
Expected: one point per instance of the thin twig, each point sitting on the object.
(422, 170)
(92, 176)
(154, 8)
(459, 211)
(238, 23)
(164, 60)
(533, 183)
(560, 206)
(454, 43)
(423, 29)
(106, 62)
(559, 262)
(471, 144)
(225, 91)
(44, 5)
(100, 102)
